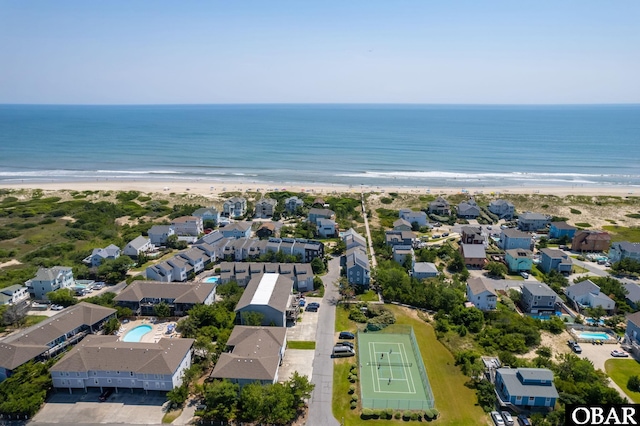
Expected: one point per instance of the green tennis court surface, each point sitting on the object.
(391, 375)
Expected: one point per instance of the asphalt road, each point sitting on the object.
(320, 412)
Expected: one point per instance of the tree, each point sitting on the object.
(486, 395)
(162, 310)
(221, 398)
(633, 384)
(318, 267)
(63, 296)
(115, 270)
(12, 315)
(596, 313)
(111, 325)
(178, 395)
(252, 318)
(496, 269)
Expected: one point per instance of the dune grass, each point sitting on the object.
(456, 403)
(620, 370)
(622, 233)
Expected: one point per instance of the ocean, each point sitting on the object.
(391, 145)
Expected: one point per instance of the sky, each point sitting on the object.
(353, 51)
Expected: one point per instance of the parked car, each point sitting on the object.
(301, 302)
(106, 393)
(497, 418)
(349, 344)
(574, 346)
(507, 418)
(311, 308)
(619, 354)
(347, 335)
(524, 275)
(57, 307)
(524, 420)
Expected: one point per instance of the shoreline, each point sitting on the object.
(215, 188)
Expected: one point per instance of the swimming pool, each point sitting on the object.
(213, 280)
(135, 334)
(590, 335)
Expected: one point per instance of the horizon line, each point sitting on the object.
(326, 104)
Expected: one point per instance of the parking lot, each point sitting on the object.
(301, 360)
(123, 407)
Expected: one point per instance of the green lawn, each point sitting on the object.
(620, 370)
(300, 344)
(622, 233)
(368, 296)
(34, 319)
(456, 403)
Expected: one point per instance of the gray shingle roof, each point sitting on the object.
(517, 388)
(278, 298)
(179, 292)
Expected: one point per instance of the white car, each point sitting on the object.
(57, 307)
(619, 354)
(497, 418)
(507, 418)
(524, 275)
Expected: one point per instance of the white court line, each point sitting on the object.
(410, 374)
(372, 348)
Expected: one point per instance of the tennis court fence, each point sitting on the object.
(403, 404)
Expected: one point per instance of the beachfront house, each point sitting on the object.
(552, 259)
(399, 238)
(586, 294)
(207, 214)
(267, 294)
(315, 214)
(402, 225)
(51, 336)
(237, 230)
(326, 228)
(502, 208)
(440, 207)
(188, 225)
(538, 298)
(254, 354)
(511, 238)
(265, 207)
(591, 241)
(50, 279)
(474, 255)
(292, 204)
(143, 296)
(159, 234)
(531, 222)
(526, 387)
(472, 235)
(468, 209)
(559, 230)
(481, 294)
(632, 332)
(424, 270)
(235, 207)
(413, 217)
(99, 255)
(352, 239)
(106, 361)
(518, 260)
(14, 295)
(137, 246)
(624, 250)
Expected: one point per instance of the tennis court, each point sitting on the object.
(391, 375)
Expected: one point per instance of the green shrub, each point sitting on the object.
(583, 225)
(352, 378)
(397, 415)
(354, 398)
(574, 211)
(415, 416)
(354, 405)
(352, 389)
(386, 200)
(367, 413)
(428, 414)
(406, 415)
(388, 413)
(378, 413)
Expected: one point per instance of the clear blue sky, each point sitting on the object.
(347, 51)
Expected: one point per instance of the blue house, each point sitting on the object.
(552, 259)
(526, 387)
(519, 260)
(561, 229)
(633, 328)
(514, 239)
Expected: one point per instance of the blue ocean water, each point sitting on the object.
(403, 145)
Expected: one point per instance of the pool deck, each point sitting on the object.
(158, 332)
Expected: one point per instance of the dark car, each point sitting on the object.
(524, 420)
(106, 393)
(311, 308)
(316, 304)
(349, 344)
(347, 335)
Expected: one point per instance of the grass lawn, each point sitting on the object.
(622, 233)
(300, 344)
(620, 370)
(368, 296)
(456, 403)
(34, 319)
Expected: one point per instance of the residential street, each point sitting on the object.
(320, 412)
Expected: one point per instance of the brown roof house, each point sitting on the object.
(255, 354)
(591, 241)
(268, 294)
(142, 296)
(105, 361)
(51, 336)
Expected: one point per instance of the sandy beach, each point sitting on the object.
(213, 188)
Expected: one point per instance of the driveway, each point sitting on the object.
(320, 411)
(301, 360)
(124, 407)
(598, 355)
